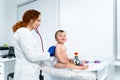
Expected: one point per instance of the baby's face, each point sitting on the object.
(61, 37)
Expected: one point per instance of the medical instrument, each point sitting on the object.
(51, 49)
(36, 30)
(41, 77)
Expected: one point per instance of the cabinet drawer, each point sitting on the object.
(1, 75)
(1, 68)
(1, 78)
(1, 71)
(1, 65)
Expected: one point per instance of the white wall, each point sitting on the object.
(11, 18)
(2, 23)
(7, 18)
(118, 29)
(49, 18)
(89, 25)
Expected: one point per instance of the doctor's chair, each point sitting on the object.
(10, 75)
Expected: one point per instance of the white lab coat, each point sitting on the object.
(28, 55)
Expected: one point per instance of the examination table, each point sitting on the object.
(96, 71)
(66, 73)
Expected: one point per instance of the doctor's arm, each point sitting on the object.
(31, 53)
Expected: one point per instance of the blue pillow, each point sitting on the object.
(51, 50)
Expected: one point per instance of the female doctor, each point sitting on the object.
(28, 55)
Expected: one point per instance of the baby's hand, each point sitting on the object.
(70, 60)
(64, 61)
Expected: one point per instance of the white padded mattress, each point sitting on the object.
(69, 74)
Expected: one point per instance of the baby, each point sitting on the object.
(62, 60)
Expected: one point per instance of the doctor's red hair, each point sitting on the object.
(28, 15)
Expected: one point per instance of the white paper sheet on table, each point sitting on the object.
(68, 73)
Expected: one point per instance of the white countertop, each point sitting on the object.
(117, 63)
(98, 66)
(95, 67)
(6, 59)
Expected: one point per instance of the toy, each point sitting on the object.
(95, 61)
(76, 59)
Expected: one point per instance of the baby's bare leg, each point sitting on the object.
(60, 65)
(85, 66)
(72, 66)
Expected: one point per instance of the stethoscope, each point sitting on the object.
(36, 30)
(41, 77)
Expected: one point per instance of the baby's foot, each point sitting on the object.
(85, 66)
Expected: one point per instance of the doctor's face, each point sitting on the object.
(35, 24)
